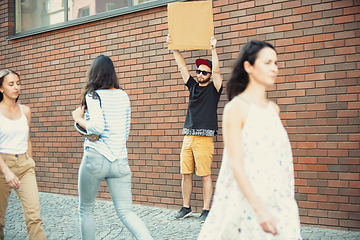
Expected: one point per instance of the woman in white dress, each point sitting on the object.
(254, 196)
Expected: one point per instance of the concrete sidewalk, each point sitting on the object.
(60, 216)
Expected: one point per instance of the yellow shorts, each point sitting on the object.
(197, 153)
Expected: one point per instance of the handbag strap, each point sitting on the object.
(95, 95)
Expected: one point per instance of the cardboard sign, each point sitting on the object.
(190, 25)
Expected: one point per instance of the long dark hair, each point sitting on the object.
(100, 75)
(4, 73)
(239, 78)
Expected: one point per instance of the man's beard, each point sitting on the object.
(204, 81)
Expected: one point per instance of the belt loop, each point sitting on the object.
(26, 154)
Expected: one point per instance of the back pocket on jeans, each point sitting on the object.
(124, 168)
(93, 160)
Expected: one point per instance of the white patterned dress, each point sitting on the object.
(268, 164)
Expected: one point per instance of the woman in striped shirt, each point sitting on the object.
(105, 112)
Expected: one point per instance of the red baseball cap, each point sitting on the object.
(201, 61)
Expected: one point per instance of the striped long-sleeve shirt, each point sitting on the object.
(111, 121)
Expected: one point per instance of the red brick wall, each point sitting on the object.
(317, 90)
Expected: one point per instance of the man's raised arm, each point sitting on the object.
(215, 68)
(180, 62)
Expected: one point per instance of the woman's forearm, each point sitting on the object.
(81, 121)
(245, 186)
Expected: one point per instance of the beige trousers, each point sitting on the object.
(23, 167)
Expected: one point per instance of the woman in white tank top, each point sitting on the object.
(16, 163)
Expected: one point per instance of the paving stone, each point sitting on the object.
(61, 222)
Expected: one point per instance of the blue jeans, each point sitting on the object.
(93, 169)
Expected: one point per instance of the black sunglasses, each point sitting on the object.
(204, 73)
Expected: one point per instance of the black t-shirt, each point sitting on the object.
(201, 117)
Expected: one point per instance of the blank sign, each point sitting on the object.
(190, 25)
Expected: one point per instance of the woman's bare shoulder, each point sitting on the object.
(237, 108)
(276, 107)
(26, 110)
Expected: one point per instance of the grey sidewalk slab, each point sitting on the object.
(60, 216)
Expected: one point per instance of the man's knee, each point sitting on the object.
(187, 176)
(206, 178)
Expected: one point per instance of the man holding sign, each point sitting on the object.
(201, 124)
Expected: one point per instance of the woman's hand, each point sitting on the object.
(78, 113)
(212, 43)
(267, 222)
(12, 180)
